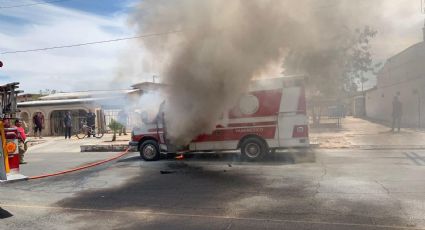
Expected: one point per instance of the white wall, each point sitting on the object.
(403, 74)
(47, 111)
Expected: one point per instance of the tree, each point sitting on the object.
(360, 58)
(48, 91)
(114, 126)
(334, 68)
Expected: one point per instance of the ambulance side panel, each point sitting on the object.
(292, 120)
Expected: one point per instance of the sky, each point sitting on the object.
(63, 23)
(100, 66)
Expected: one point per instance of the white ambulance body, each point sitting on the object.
(271, 116)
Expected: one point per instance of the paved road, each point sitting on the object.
(334, 189)
(57, 154)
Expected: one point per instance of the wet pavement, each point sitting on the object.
(364, 134)
(334, 189)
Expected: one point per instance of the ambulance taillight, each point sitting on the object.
(300, 131)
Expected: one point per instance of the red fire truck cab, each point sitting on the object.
(272, 115)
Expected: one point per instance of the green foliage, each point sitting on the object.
(337, 67)
(114, 125)
(360, 61)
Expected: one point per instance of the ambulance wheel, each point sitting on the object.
(149, 150)
(253, 149)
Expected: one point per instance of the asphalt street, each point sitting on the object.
(58, 154)
(324, 189)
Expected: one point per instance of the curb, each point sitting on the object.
(314, 145)
(106, 148)
(380, 147)
(79, 168)
(375, 147)
(14, 178)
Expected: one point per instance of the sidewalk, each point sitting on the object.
(364, 134)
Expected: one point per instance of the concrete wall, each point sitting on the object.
(404, 75)
(47, 111)
(379, 102)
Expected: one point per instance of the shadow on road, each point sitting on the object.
(200, 191)
(290, 156)
(4, 214)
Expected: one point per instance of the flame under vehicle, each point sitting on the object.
(272, 115)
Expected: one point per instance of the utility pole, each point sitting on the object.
(419, 109)
(418, 93)
(422, 6)
(423, 12)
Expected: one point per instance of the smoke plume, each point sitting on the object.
(213, 48)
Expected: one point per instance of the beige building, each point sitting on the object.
(106, 104)
(402, 75)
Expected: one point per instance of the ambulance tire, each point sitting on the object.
(253, 149)
(149, 150)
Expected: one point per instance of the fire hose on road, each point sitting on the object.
(80, 168)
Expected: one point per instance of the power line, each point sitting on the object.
(33, 4)
(92, 43)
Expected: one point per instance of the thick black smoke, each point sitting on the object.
(215, 47)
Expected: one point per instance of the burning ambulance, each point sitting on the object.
(272, 115)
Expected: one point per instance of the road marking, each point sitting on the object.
(412, 158)
(418, 156)
(209, 216)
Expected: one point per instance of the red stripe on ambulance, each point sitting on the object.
(237, 134)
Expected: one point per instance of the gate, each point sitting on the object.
(56, 121)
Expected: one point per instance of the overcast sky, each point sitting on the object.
(96, 66)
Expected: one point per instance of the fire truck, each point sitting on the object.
(9, 153)
(272, 115)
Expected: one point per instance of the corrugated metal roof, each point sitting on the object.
(59, 102)
(86, 94)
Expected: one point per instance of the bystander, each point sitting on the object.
(67, 124)
(38, 122)
(397, 113)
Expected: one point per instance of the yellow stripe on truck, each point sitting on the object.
(5, 153)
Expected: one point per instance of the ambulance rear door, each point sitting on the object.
(292, 119)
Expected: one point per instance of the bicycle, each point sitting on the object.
(86, 130)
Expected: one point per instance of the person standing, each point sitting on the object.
(397, 113)
(21, 140)
(38, 122)
(67, 124)
(123, 120)
(91, 120)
